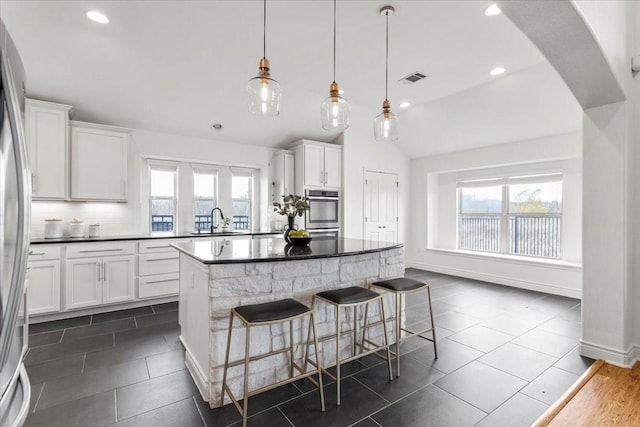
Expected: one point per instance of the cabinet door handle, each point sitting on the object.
(99, 268)
(321, 178)
(326, 177)
(161, 281)
(160, 259)
(104, 271)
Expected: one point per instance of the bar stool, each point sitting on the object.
(353, 297)
(286, 310)
(399, 287)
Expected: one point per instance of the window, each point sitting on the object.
(242, 195)
(162, 197)
(514, 215)
(205, 189)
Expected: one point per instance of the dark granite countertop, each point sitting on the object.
(150, 236)
(275, 249)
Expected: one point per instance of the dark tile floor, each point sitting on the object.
(505, 355)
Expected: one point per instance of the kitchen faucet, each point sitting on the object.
(217, 223)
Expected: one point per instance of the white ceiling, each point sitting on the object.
(179, 66)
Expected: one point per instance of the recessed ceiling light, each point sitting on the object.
(96, 16)
(405, 104)
(216, 126)
(497, 71)
(492, 10)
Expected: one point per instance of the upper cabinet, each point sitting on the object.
(98, 162)
(318, 165)
(282, 175)
(47, 127)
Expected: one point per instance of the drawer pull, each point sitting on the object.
(158, 247)
(161, 259)
(102, 250)
(36, 253)
(161, 281)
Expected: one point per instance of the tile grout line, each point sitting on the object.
(370, 389)
(84, 361)
(115, 399)
(35, 407)
(193, 399)
(285, 416)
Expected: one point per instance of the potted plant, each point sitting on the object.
(292, 205)
(226, 221)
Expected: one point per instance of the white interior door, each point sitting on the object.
(380, 207)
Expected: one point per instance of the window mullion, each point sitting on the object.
(504, 221)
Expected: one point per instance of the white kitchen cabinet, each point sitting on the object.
(47, 136)
(158, 269)
(99, 274)
(282, 179)
(43, 292)
(318, 165)
(98, 162)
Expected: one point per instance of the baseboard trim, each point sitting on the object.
(623, 359)
(522, 284)
(201, 380)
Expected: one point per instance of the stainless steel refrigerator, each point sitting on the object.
(15, 202)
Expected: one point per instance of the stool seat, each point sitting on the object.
(352, 295)
(271, 311)
(401, 284)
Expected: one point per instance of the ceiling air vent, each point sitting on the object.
(412, 78)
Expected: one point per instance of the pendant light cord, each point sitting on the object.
(264, 29)
(334, 41)
(386, 69)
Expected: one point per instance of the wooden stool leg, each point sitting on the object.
(226, 360)
(245, 396)
(315, 343)
(433, 325)
(338, 352)
(398, 331)
(386, 341)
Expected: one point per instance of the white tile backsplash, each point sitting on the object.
(114, 218)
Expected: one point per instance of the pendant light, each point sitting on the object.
(385, 125)
(334, 110)
(264, 92)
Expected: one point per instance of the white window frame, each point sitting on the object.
(505, 183)
(253, 174)
(163, 165)
(197, 168)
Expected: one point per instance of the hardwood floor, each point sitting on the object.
(605, 395)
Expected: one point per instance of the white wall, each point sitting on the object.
(611, 325)
(362, 152)
(128, 218)
(427, 175)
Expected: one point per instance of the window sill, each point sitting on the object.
(510, 258)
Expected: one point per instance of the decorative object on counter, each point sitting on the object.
(334, 110)
(264, 92)
(76, 228)
(294, 250)
(385, 125)
(226, 221)
(52, 228)
(94, 230)
(299, 237)
(292, 205)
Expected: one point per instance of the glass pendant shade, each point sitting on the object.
(264, 92)
(386, 125)
(334, 110)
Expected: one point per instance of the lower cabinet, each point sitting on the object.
(95, 281)
(43, 293)
(158, 270)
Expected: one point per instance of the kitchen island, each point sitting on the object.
(216, 276)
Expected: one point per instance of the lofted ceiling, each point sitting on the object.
(179, 66)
